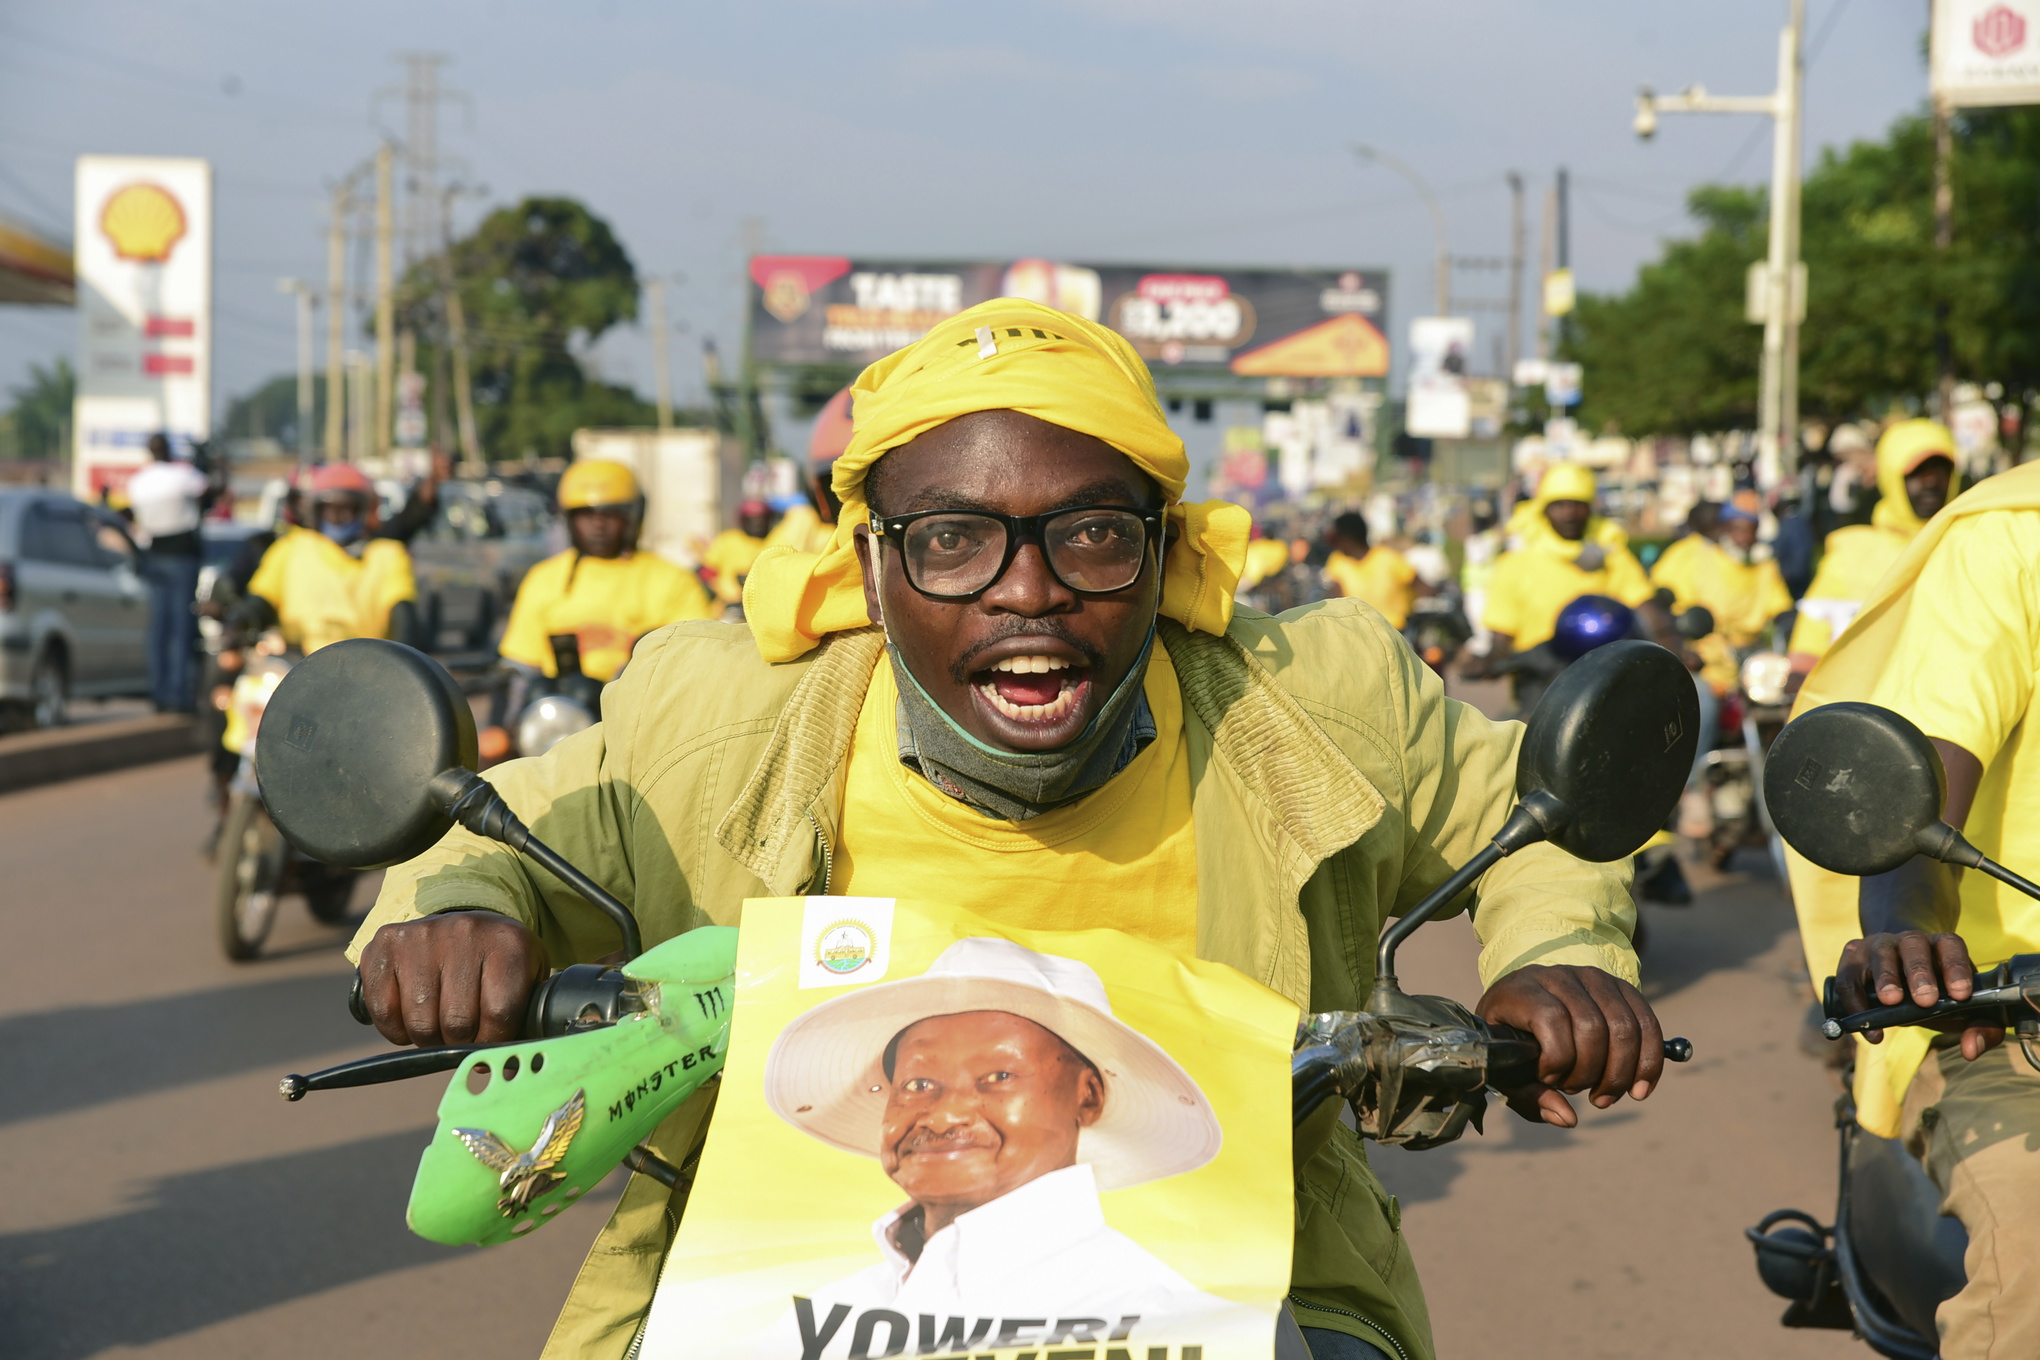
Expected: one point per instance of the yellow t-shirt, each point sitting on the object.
(1743, 596)
(1531, 585)
(801, 529)
(1123, 857)
(1854, 561)
(728, 561)
(323, 594)
(608, 602)
(1265, 557)
(1383, 578)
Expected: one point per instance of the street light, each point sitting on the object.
(1369, 154)
(1784, 287)
(305, 301)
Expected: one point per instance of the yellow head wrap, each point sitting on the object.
(1002, 355)
(1900, 451)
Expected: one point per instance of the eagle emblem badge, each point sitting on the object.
(525, 1176)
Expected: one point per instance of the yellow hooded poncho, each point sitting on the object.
(1534, 581)
(1856, 558)
(1006, 354)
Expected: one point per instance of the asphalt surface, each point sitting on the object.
(161, 1200)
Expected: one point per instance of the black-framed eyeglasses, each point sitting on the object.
(955, 554)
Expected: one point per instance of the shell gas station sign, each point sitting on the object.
(144, 272)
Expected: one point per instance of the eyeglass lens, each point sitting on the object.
(1089, 550)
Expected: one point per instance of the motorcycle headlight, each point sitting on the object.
(1765, 676)
(550, 721)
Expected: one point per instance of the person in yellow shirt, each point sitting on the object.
(1734, 579)
(602, 590)
(334, 579)
(1951, 640)
(1916, 476)
(808, 525)
(1015, 682)
(728, 558)
(1566, 551)
(1377, 574)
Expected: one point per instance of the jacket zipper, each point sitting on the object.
(1368, 1323)
(637, 1340)
(828, 853)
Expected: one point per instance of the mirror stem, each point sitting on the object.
(1536, 817)
(473, 802)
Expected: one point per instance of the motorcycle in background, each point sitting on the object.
(1732, 775)
(534, 712)
(254, 867)
(1889, 1259)
(1437, 629)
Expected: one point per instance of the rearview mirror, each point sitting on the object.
(1857, 789)
(1603, 761)
(349, 746)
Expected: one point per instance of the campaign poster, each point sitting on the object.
(1439, 407)
(937, 1136)
(1984, 52)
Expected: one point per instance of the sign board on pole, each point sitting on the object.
(1559, 293)
(144, 259)
(1562, 384)
(1986, 52)
(827, 309)
(1439, 407)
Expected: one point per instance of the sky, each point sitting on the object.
(1211, 132)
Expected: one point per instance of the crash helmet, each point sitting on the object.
(597, 482)
(341, 483)
(1588, 622)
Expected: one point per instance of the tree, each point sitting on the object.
(271, 409)
(1673, 354)
(40, 419)
(539, 282)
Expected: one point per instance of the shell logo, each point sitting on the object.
(144, 221)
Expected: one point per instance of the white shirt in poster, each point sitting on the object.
(1037, 1266)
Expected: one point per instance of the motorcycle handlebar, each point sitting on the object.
(2003, 996)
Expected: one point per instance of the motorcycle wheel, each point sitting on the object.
(248, 878)
(329, 894)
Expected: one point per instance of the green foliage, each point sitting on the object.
(39, 422)
(538, 283)
(271, 410)
(1674, 355)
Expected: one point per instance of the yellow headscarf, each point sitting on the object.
(1900, 451)
(1013, 355)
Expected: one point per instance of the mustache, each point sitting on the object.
(921, 1138)
(1050, 627)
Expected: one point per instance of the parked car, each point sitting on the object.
(74, 609)
(473, 555)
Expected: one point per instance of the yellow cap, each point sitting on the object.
(597, 482)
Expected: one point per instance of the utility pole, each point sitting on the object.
(303, 293)
(1562, 197)
(1944, 240)
(1547, 260)
(1444, 265)
(655, 289)
(385, 301)
(1516, 233)
(336, 321)
(1783, 290)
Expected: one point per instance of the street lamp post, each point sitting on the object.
(1784, 287)
(303, 292)
(1372, 154)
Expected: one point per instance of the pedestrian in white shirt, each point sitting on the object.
(999, 1092)
(169, 498)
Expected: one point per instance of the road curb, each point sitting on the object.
(35, 758)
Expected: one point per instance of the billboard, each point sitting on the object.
(1295, 323)
(1986, 52)
(1439, 406)
(144, 261)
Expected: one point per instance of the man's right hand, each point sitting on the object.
(1890, 969)
(458, 977)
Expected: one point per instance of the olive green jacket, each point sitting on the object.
(1333, 785)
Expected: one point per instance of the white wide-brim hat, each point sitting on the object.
(826, 1075)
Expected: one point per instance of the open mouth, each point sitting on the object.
(1038, 690)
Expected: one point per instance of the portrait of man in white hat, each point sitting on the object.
(1000, 1093)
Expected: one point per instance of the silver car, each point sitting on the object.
(74, 609)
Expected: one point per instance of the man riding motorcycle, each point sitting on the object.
(602, 589)
(1949, 641)
(730, 554)
(333, 578)
(1058, 720)
(1375, 573)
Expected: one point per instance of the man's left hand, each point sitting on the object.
(1595, 1033)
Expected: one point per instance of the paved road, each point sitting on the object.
(162, 1201)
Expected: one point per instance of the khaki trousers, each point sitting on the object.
(1976, 1128)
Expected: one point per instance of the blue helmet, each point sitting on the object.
(1589, 622)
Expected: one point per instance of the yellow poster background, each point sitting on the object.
(776, 1213)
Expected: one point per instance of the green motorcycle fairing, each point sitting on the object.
(551, 1117)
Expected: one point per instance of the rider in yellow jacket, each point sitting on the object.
(333, 579)
(730, 554)
(1916, 476)
(601, 590)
